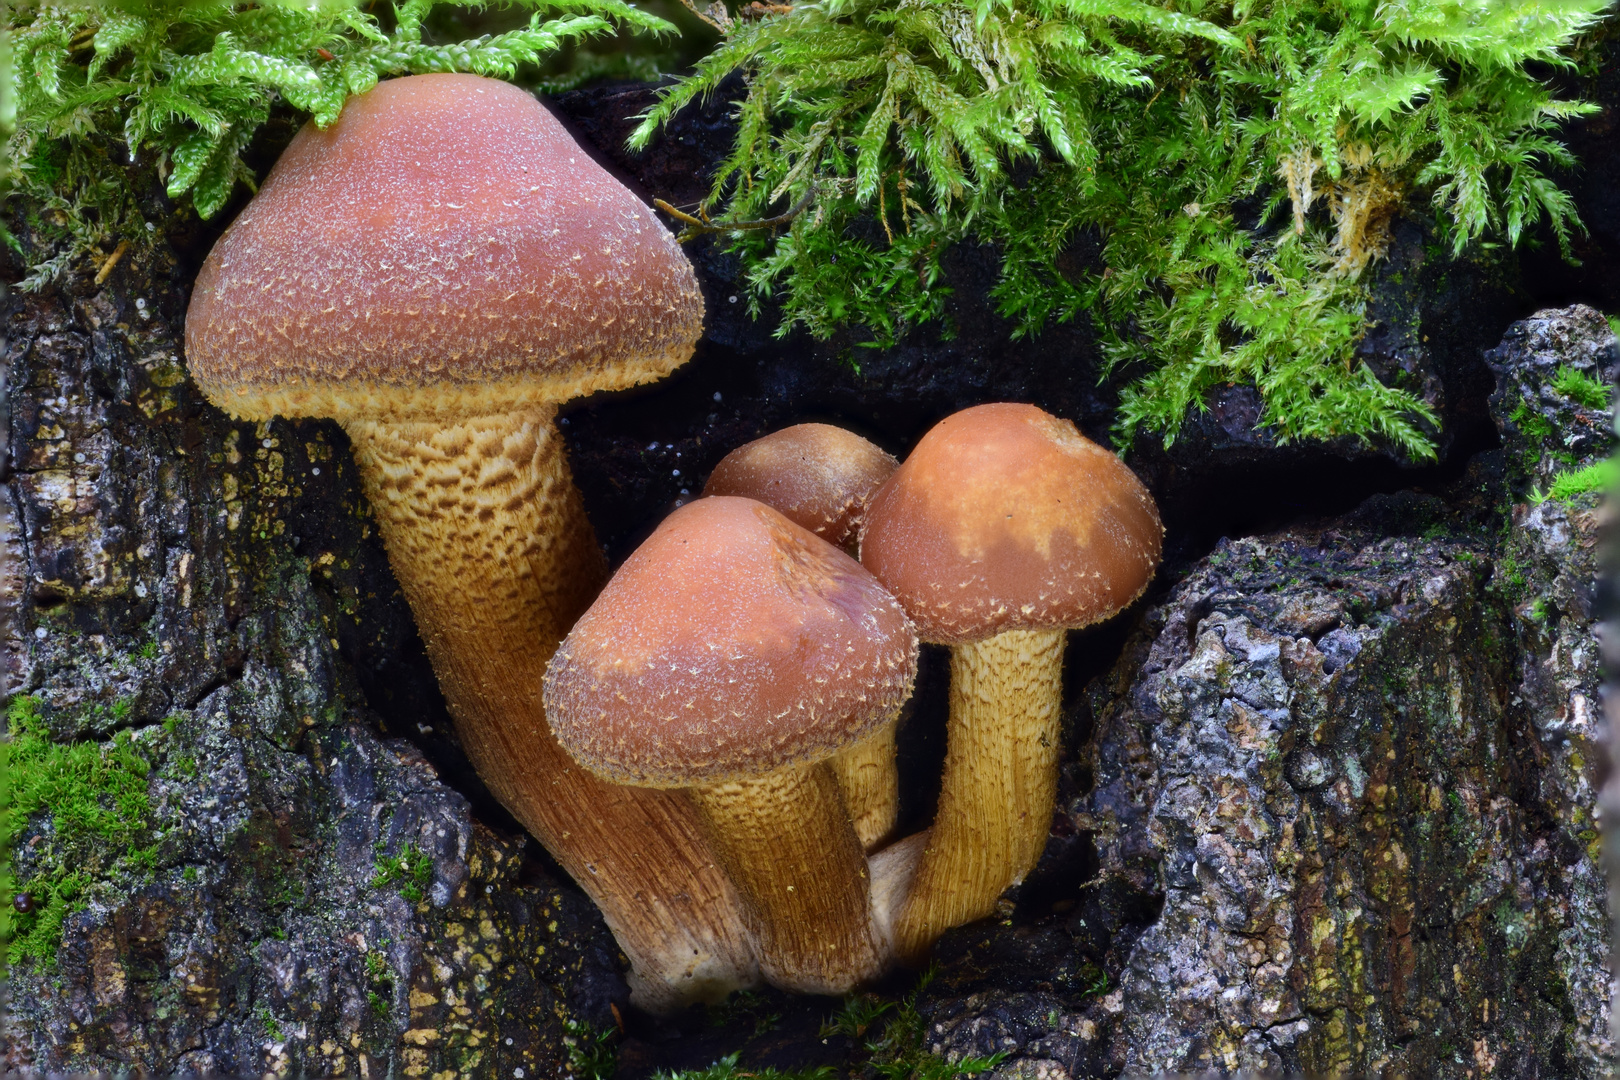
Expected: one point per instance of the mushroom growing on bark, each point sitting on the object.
(732, 654)
(821, 477)
(437, 271)
(1004, 528)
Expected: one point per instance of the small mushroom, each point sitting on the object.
(436, 271)
(818, 476)
(821, 477)
(1004, 528)
(732, 655)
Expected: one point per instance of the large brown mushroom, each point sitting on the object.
(437, 271)
(1004, 528)
(732, 655)
(821, 477)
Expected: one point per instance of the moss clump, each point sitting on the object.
(410, 871)
(1580, 387)
(1241, 162)
(593, 1053)
(98, 823)
(893, 1036)
(186, 86)
(1567, 486)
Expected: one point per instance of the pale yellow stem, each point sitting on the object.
(489, 540)
(870, 784)
(789, 847)
(999, 787)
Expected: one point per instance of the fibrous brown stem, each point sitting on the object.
(489, 540)
(788, 846)
(870, 783)
(999, 786)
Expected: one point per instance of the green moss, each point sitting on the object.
(726, 1069)
(272, 1027)
(187, 86)
(1570, 485)
(593, 1053)
(410, 870)
(1240, 163)
(1511, 573)
(1539, 438)
(93, 797)
(1580, 387)
(897, 1049)
(888, 1033)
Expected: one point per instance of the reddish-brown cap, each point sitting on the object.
(730, 644)
(1006, 518)
(445, 249)
(819, 476)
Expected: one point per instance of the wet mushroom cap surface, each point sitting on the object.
(444, 249)
(731, 643)
(1005, 517)
(818, 476)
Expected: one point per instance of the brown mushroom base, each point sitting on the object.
(489, 540)
(999, 785)
(870, 782)
(789, 848)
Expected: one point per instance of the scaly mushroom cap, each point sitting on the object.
(730, 644)
(1006, 518)
(445, 249)
(820, 477)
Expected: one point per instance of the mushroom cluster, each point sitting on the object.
(754, 665)
(706, 741)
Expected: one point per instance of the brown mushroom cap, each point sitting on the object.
(1004, 518)
(819, 476)
(404, 264)
(730, 644)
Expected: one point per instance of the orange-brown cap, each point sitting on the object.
(819, 476)
(1006, 518)
(445, 249)
(730, 644)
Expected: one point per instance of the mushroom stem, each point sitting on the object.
(870, 783)
(893, 870)
(489, 540)
(789, 848)
(999, 786)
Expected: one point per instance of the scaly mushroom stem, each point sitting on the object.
(870, 783)
(790, 850)
(999, 786)
(489, 540)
